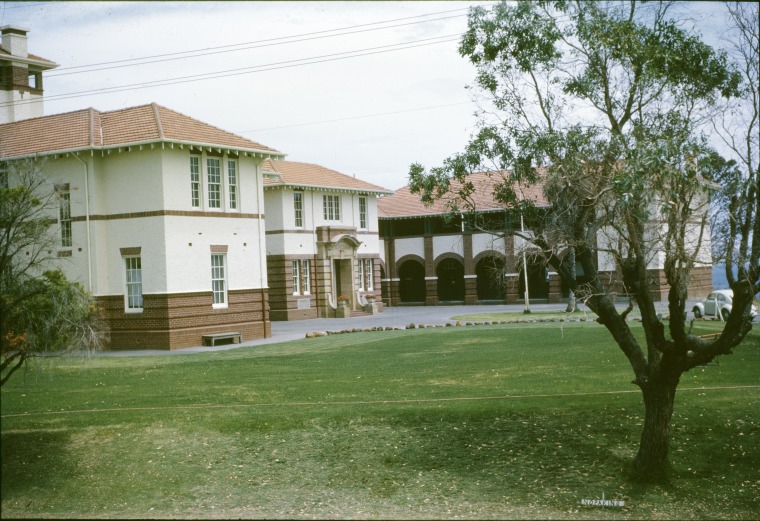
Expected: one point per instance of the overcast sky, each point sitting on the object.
(365, 88)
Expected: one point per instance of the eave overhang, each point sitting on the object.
(171, 144)
(323, 188)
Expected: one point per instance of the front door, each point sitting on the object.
(342, 277)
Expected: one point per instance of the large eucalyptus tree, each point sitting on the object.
(603, 104)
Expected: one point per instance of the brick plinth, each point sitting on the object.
(175, 321)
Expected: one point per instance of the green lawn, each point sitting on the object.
(504, 421)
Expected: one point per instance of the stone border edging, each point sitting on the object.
(458, 323)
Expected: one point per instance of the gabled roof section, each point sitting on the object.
(403, 203)
(91, 129)
(308, 175)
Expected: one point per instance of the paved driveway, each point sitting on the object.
(391, 317)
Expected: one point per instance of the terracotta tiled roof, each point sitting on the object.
(90, 128)
(4, 52)
(293, 173)
(403, 203)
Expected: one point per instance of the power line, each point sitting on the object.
(258, 46)
(247, 70)
(356, 117)
(252, 45)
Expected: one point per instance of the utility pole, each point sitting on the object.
(525, 267)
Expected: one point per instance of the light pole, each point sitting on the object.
(525, 267)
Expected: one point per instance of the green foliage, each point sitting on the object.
(41, 312)
(601, 108)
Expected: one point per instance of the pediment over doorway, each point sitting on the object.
(344, 245)
(348, 239)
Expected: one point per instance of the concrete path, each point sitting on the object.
(391, 317)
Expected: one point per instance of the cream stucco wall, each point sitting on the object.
(287, 239)
(447, 244)
(486, 242)
(15, 107)
(130, 193)
(410, 246)
(188, 241)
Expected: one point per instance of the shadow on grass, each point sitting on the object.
(535, 459)
(33, 461)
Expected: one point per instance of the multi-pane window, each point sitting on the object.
(232, 183)
(218, 279)
(298, 208)
(331, 207)
(195, 182)
(363, 213)
(366, 280)
(305, 268)
(133, 294)
(296, 277)
(64, 213)
(214, 172)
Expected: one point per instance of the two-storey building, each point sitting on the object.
(160, 215)
(323, 247)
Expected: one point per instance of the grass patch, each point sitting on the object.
(519, 421)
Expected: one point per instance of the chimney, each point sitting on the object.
(14, 40)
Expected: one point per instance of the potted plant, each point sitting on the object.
(370, 298)
(343, 310)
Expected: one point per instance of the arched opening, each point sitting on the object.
(538, 284)
(412, 283)
(490, 273)
(450, 280)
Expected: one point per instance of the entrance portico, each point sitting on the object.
(337, 249)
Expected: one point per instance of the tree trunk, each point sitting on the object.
(570, 303)
(651, 463)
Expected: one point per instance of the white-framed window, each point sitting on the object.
(366, 275)
(298, 208)
(133, 289)
(195, 181)
(306, 271)
(331, 207)
(64, 213)
(296, 277)
(219, 279)
(362, 212)
(214, 174)
(232, 184)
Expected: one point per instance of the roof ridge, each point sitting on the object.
(207, 124)
(79, 111)
(92, 126)
(157, 115)
(273, 167)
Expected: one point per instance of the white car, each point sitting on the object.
(719, 301)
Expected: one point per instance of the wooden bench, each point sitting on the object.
(211, 340)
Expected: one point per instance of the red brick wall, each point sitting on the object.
(283, 304)
(174, 321)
